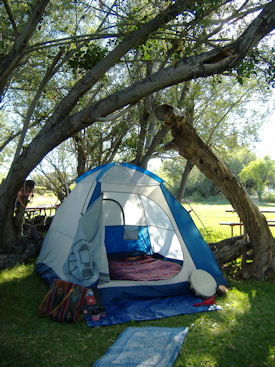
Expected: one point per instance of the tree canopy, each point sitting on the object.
(93, 45)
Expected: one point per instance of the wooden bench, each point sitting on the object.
(271, 223)
(30, 212)
(232, 225)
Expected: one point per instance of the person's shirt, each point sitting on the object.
(23, 195)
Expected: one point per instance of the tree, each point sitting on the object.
(218, 114)
(238, 158)
(188, 52)
(261, 172)
(192, 147)
(58, 172)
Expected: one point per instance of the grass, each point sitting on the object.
(242, 334)
(46, 198)
(208, 216)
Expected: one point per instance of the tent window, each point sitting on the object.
(131, 233)
(120, 207)
(123, 208)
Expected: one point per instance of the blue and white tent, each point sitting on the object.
(123, 210)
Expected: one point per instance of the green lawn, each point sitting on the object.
(208, 216)
(242, 334)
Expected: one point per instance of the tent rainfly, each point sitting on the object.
(121, 229)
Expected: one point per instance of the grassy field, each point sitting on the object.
(241, 334)
(208, 216)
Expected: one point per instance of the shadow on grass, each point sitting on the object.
(250, 338)
(242, 334)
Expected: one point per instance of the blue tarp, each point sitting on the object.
(157, 308)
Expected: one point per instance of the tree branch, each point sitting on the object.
(49, 74)
(94, 74)
(11, 18)
(11, 61)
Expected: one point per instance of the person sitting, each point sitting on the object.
(25, 192)
(22, 199)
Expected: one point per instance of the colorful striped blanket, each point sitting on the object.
(142, 268)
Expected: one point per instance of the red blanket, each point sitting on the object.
(142, 268)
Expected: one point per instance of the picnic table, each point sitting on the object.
(270, 222)
(46, 210)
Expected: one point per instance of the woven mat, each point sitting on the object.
(144, 347)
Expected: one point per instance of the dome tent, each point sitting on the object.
(121, 211)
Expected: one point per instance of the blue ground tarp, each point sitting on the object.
(157, 308)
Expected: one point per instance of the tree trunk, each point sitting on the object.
(191, 147)
(229, 249)
(155, 142)
(143, 121)
(81, 154)
(8, 192)
(188, 168)
(8, 231)
(189, 111)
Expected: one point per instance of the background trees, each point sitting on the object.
(262, 174)
(257, 175)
